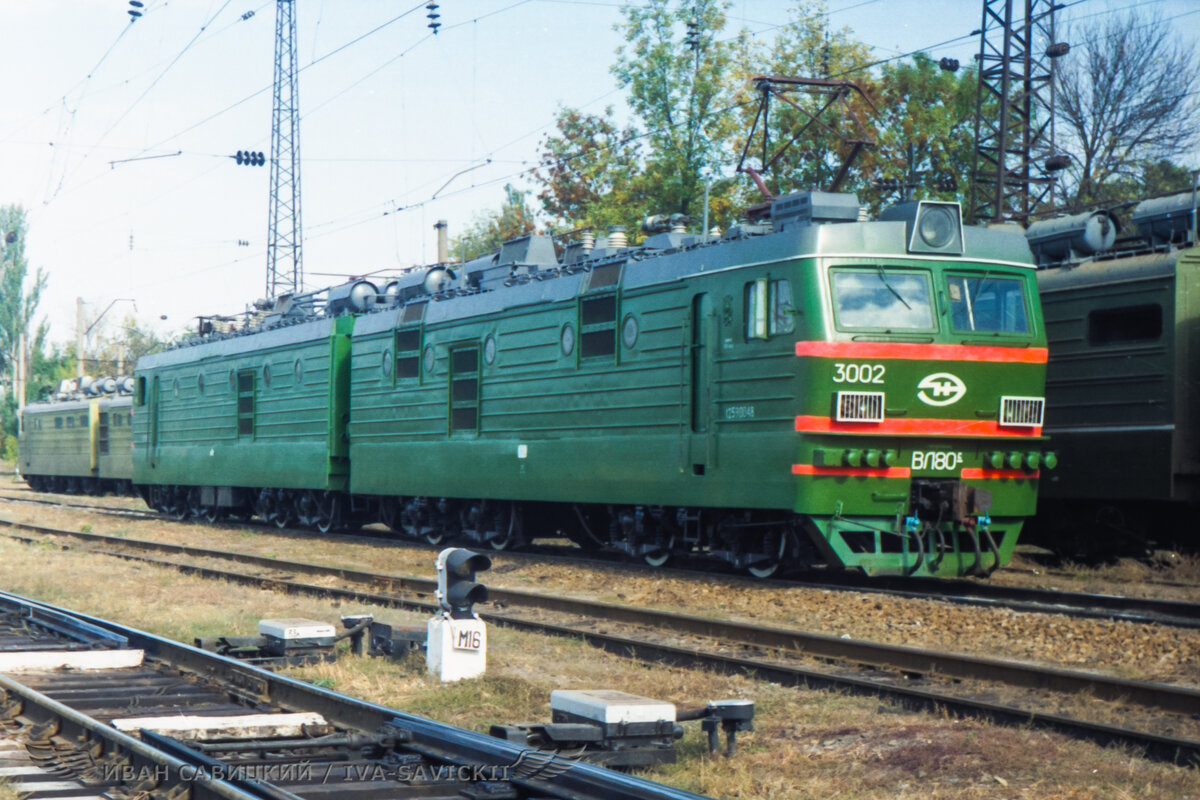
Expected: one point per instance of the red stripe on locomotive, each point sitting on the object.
(853, 472)
(922, 352)
(974, 473)
(914, 427)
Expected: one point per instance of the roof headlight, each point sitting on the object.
(937, 226)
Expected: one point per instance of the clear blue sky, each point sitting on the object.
(386, 121)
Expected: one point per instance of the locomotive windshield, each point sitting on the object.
(985, 303)
(876, 298)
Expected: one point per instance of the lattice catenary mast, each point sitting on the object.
(1014, 140)
(285, 274)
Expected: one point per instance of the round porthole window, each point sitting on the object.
(430, 359)
(567, 339)
(489, 350)
(298, 369)
(266, 375)
(386, 364)
(629, 331)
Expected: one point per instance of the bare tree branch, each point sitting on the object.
(1127, 93)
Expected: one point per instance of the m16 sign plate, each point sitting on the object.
(468, 639)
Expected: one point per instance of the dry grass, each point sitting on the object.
(1166, 566)
(806, 744)
(1148, 652)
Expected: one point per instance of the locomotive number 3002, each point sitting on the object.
(858, 373)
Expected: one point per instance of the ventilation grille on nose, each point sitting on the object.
(1022, 412)
(860, 406)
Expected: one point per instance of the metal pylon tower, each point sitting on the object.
(1014, 115)
(285, 273)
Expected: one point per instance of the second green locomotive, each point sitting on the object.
(1123, 387)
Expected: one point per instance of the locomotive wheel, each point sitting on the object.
(285, 509)
(659, 557)
(195, 508)
(160, 499)
(174, 503)
(328, 510)
(509, 521)
(306, 509)
(264, 505)
(769, 566)
(212, 513)
(417, 525)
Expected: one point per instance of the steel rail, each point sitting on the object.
(898, 657)
(1016, 598)
(906, 660)
(48, 716)
(1082, 605)
(581, 781)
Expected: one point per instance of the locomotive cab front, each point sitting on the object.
(921, 405)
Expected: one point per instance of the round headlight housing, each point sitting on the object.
(936, 226)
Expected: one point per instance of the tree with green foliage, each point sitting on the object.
(590, 172)
(676, 71)
(806, 47)
(19, 298)
(490, 230)
(925, 132)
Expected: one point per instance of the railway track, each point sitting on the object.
(106, 711)
(963, 592)
(908, 675)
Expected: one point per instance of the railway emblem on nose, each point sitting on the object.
(941, 389)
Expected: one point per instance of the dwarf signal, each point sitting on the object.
(457, 643)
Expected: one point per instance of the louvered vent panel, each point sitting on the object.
(1022, 412)
(860, 406)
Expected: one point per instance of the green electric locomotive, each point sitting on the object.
(1123, 392)
(78, 441)
(806, 389)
